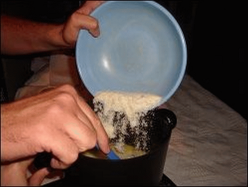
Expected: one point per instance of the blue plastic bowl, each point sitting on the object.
(141, 48)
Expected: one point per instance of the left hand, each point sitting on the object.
(15, 174)
(81, 19)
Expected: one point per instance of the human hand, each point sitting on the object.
(31, 37)
(58, 121)
(81, 19)
(16, 174)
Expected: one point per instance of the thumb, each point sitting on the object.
(37, 178)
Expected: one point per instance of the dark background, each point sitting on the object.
(215, 34)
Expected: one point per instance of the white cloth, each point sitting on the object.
(50, 72)
(208, 146)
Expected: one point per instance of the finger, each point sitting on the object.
(37, 178)
(82, 21)
(13, 174)
(62, 147)
(26, 163)
(84, 135)
(85, 112)
(91, 24)
(102, 137)
(85, 131)
(89, 6)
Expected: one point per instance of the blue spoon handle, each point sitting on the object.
(112, 156)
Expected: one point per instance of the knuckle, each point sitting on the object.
(94, 24)
(64, 97)
(74, 16)
(91, 140)
(71, 157)
(65, 162)
(53, 109)
(59, 103)
(67, 88)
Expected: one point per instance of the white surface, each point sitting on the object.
(209, 144)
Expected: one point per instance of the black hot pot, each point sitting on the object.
(143, 170)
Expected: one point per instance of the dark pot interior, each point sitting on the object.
(142, 170)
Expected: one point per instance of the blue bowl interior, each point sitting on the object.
(141, 48)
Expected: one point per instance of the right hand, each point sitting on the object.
(58, 121)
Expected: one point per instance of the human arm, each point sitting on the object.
(58, 121)
(19, 36)
(16, 174)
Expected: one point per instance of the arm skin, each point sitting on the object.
(19, 36)
(57, 121)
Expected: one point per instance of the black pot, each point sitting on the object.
(142, 170)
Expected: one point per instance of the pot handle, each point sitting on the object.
(166, 116)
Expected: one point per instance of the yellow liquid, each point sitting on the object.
(127, 152)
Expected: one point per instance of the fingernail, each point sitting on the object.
(95, 33)
(108, 149)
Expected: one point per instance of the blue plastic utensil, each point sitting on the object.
(112, 156)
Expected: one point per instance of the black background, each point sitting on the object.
(215, 34)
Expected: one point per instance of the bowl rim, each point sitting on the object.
(183, 64)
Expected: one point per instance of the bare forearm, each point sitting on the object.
(20, 36)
